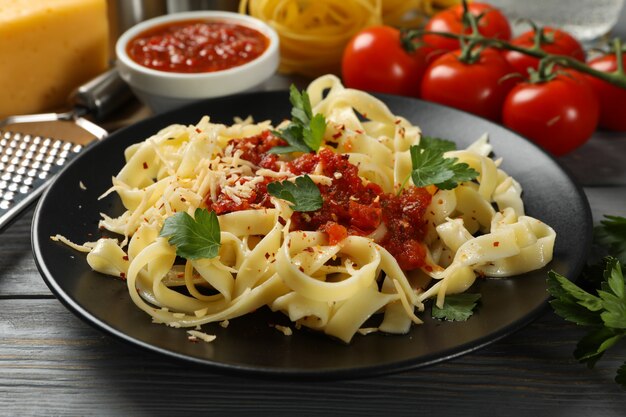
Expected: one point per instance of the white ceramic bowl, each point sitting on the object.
(161, 90)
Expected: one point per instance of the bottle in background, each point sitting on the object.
(587, 20)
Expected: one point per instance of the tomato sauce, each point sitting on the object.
(196, 46)
(351, 206)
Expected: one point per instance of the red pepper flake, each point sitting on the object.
(301, 269)
(198, 130)
(125, 257)
(359, 131)
(267, 255)
(337, 135)
(398, 121)
(496, 244)
(122, 275)
(183, 199)
(145, 165)
(440, 201)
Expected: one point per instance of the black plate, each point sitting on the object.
(249, 344)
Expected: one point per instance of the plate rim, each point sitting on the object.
(296, 373)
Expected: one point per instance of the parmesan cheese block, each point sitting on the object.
(48, 48)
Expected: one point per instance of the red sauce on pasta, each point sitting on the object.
(196, 46)
(351, 206)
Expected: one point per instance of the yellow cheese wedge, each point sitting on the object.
(48, 48)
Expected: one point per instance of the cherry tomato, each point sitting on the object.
(611, 97)
(559, 115)
(478, 88)
(492, 24)
(561, 43)
(375, 60)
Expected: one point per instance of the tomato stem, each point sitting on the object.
(617, 78)
(469, 52)
(619, 59)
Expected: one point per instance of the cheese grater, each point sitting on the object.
(29, 163)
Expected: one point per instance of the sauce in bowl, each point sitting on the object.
(196, 46)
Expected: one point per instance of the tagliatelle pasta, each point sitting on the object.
(327, 270)
(314, 33)
(412, 13)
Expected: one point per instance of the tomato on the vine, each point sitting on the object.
(479, 87)
(611, 97)
(553, 41)
(491, 24)
(559, 114)
(375, 60)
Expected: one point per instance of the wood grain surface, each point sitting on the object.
(52, 363)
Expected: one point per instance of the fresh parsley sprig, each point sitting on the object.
(431, 167)
(604, 314)
(306, 131)
(456, 307)
(303, 194)
(195, 237)
(611, 233)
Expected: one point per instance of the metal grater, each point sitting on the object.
(29, 163)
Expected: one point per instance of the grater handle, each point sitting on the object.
(102, 95)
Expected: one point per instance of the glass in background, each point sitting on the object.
(175, 6)
(587, 20)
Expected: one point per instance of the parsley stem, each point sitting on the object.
(403, 184)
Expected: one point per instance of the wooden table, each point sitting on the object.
(52, 363)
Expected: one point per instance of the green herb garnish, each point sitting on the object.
(305, 132)
(439, 144)
(430, 167)
(195, 237)
(604, 314)
(456, 307)
(612, 234)
(303, 194)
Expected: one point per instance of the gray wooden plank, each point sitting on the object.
(52, 363)
(606, 201)
(599, 162)
(18, 274)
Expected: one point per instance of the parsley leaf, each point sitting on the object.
(431, 167)
(611, 233)
(304, 194)
(604, 314)
(306, 131)
(456, 307)
(593, 345)
(194, 237)
(443, 145)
